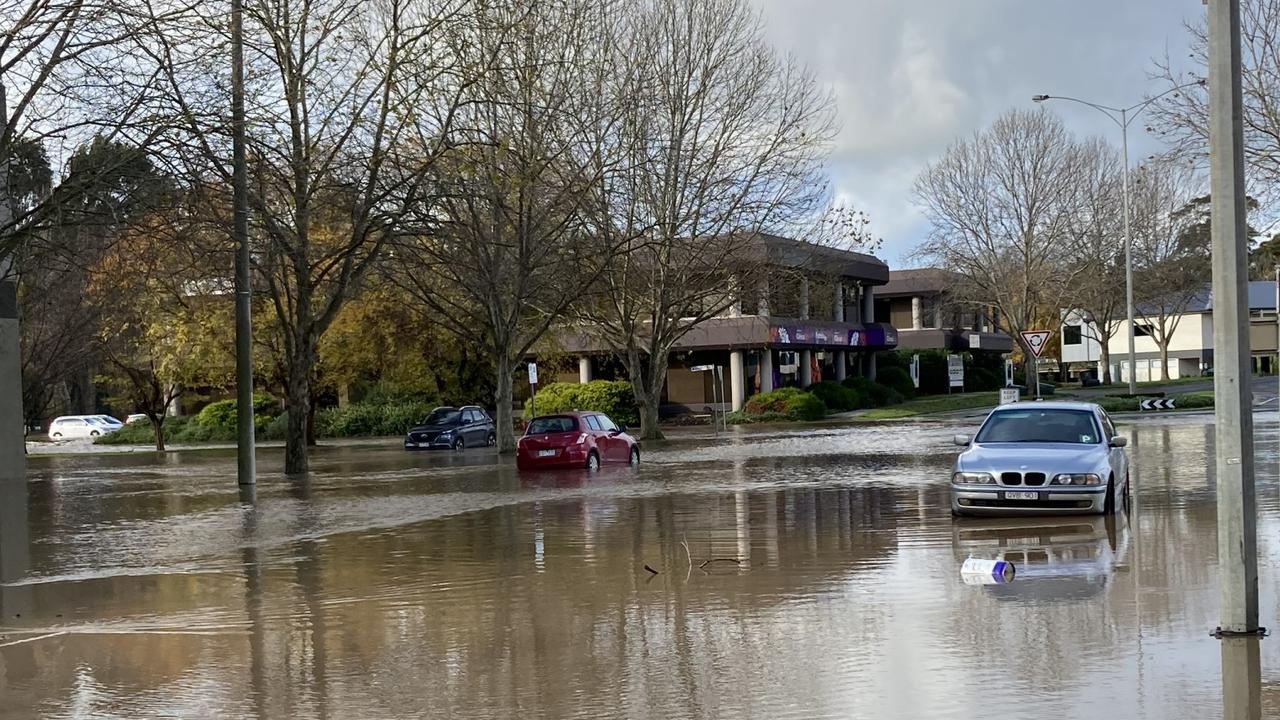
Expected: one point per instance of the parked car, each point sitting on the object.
(136, 417)
(575, 440)
(75, 427)
(107, 420)
(1034, 458)
(451, 427)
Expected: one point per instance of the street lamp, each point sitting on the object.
(1125, 116)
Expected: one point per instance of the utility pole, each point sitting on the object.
(1237, 509)
(13, 441)
(246, 471)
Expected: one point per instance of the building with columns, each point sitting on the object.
(804, 314)
(919, 304)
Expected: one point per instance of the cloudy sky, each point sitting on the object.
(911, 76)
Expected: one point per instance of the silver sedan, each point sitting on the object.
(1040, 458)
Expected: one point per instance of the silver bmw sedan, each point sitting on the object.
(1041, 458)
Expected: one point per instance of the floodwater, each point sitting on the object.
(804, 574)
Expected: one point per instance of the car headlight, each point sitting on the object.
(445, 434)
(1076, 479)
(971, 478)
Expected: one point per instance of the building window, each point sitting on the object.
(1143, 330)
(1070, 334)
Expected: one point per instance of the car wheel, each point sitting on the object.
(57, 436)
(593, 461)
(491, 440)
(93, 433)
(459, 444)
(635, 455)
(1109, 507)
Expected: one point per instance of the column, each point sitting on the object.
(837, 310)
(584, 370)
(842, 361)
(806, 368)
(868, 304)
(762, 291)
(766, 370)
(13, 444)
(917, 313)
(804, 298)
(736, 380)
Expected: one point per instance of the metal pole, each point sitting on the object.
(1237, 510)
(246, 472)
(1128, 251)
(13, 441)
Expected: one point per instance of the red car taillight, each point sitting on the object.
(582, 437)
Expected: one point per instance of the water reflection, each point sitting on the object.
(456, 588)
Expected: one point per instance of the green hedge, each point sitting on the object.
(372, 419)
(186, 429)
(781, 404)
(221, 415)
(896, 378)
(839, 398)
(614, 398)
(877, 395)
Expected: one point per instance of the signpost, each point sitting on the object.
(955, 372)
(915, 371)
(716, 392)
(1036, 341)
(533, 386)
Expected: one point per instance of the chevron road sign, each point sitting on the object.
(1156, 404)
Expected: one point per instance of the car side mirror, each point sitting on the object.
(1118, 441)
(619, 430)
(961, 440)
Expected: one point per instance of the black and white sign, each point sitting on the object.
(1156, 404)
(533, 373)
(955, 370)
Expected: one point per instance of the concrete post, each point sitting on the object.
(842, 365)
(584, 370)
(13, 446)
(766, 370)
(15, 550)
(736, 381)
(917, 313)
(806, 368)
(762, 291)
(804, 298)
(246, 448)
(1241, 679)
(837, 310)
(1237, 510)
(868, 304)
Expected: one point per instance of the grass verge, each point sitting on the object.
(934, 404)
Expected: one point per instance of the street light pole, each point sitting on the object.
(1126, 116)
(246, 470)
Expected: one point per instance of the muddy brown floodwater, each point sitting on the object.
(391, 585)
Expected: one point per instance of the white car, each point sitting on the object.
(77, 427)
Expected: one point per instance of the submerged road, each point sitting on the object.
(802, 573)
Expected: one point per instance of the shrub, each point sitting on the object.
(787, 403)
(876, 395)
(897, 379)
(978, 379)
(366, 419)
(222, 414)
(837, 397)
(614, 398)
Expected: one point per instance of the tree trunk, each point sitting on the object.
(1164, 360)
(298, 405)
(503, 420)
(158, 427)
(1105, 359)
(647, 380)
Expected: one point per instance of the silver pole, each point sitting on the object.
(1237, 510)
(246, 470)
(1128, 253)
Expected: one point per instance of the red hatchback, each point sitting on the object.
(575, 439)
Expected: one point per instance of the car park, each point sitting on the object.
(575, 440)
(454, 428)
(1041, 458)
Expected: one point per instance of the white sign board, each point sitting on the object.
(1008, 395)
(915, 371)
(533, 373)
(1036, 340)
(975, 341)
(955, 369)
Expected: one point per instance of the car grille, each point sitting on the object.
(1033, 479)
(1032, 504)
(424, 437)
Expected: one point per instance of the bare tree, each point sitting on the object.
(1096, 229)
(1172, 252)
(720, 139)
(336, 95)
(1001, 205)
(507, 247)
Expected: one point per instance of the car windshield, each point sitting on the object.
(442, 416)
(1043, 426)
(542, 426)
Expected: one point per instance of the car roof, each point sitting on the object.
(569, 413)
(1051, 405)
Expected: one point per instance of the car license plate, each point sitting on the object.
(1021, 496)
(546, 453)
